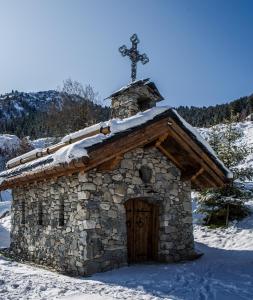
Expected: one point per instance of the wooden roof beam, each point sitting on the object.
(110, 164)
(196, 156)
(200, 171)
(169, 156)
(176, 129)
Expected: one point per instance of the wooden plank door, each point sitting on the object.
(142, 230)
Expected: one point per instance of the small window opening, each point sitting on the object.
(61, 214)
(40, 214)
(23, 212)
(143, 104)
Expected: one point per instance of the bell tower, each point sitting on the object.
(136, 97)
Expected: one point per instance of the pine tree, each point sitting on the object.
(221, 205)
(214, 138)
(228, 150)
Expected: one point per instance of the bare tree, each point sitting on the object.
(75, 88)
(80, 108)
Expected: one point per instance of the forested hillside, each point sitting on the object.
(50, 113)
(212, 115)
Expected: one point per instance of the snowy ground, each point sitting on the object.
(5, 225)
(224, 272)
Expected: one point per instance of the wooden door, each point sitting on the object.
(142, 230)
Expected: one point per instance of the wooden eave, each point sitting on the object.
(163, 132)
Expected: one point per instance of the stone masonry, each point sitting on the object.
(93, 237)
(135, 100)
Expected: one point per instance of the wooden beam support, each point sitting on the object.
(111, 164)
(200, 171)
(209, 181)
(161, 139)
(197, 154)
(169, 156)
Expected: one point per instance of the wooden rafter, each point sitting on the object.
(195, 148)
(170, 157)
(200, 171)
(197, 154)
(161, 139)
(111, 164)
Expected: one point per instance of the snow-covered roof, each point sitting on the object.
(80, 148)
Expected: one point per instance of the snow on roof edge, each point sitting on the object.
(125, 87)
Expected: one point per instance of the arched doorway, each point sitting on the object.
(142, 230)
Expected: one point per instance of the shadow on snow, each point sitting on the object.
(219, 274)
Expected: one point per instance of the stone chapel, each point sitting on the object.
(115, 193)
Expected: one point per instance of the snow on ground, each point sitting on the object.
(5, 225)
(4, 206)
(224, 272)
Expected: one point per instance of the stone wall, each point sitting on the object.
(93, 237)
(128, 104)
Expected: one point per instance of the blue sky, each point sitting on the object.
(201, 51)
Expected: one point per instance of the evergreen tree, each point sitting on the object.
(221, 205)
(214, 138)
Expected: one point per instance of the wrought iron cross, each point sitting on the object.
(134, 55)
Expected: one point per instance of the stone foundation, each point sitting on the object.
(93, 237)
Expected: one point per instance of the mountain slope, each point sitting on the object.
(18, 104)
(42, 114)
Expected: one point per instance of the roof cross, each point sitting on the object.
(134, 55)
